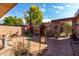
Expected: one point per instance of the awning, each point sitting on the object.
(5, 7)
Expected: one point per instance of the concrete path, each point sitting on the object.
(58, 47)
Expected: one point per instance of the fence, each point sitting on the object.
(12, 29)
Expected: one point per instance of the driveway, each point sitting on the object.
(58, 47)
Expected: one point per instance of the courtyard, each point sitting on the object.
(27, 33)
(51, 47)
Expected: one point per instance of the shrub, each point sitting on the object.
(20, 49)
(26, 32)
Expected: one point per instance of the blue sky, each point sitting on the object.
(50, 10)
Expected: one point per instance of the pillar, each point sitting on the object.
(5, 40)
(23, 29)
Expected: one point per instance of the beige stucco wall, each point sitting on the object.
(10, 29)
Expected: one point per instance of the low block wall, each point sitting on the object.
(11, 29)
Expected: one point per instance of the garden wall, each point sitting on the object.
(12, 29)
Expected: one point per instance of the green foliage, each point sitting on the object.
(12, 20)
(34, 14)
(67, 28)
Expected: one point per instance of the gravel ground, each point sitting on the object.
(53, 47)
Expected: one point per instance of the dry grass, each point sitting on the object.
(20, 49)
(21, 46)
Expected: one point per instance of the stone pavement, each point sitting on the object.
(75, 48)
(58, 47)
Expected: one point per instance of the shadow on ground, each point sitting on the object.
(56, 47)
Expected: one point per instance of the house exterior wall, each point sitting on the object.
(59, 24)
(74, 23)
(77, 26)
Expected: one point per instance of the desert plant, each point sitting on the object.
(26, 33)
(67, 28)
(20, 49)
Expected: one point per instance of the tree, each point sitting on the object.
(12, 20)
(34, 14)
(67, 28)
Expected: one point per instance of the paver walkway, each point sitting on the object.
(59, 47)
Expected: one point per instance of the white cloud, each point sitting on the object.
(58, 7)
(57, 11)
(44, 5)
(47, 20)
(24, 22)
(43, 9)
(1, 19)
(67, 5)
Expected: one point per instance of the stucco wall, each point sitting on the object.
(10, 29)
